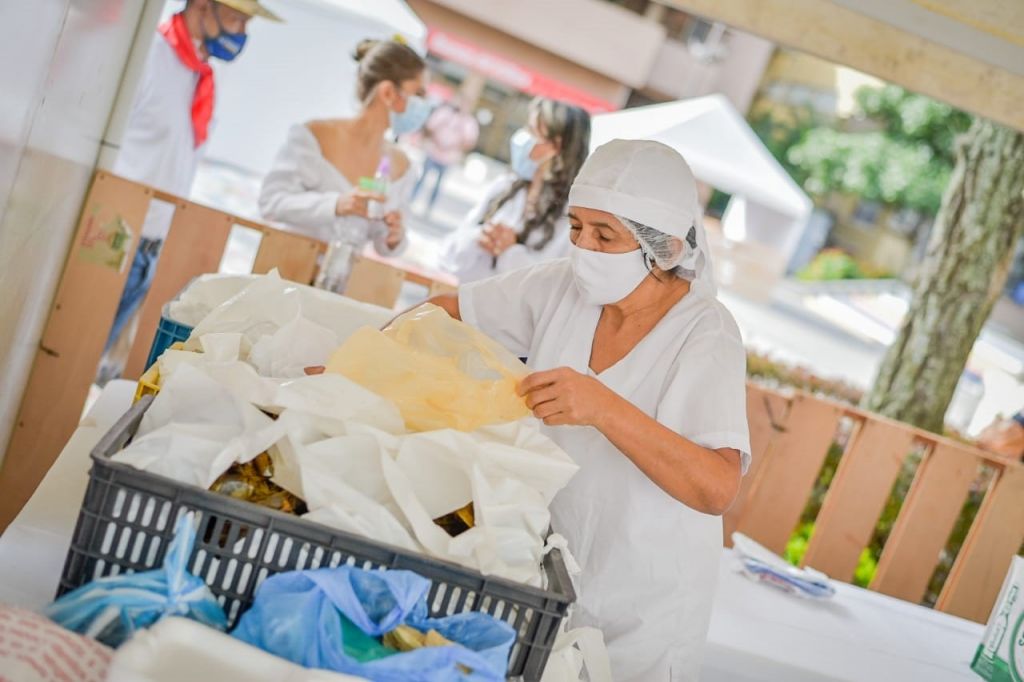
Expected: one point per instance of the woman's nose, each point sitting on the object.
(587, 240)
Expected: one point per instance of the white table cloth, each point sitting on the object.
(760, 633)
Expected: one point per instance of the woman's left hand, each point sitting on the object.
(563, 397)
(396, 230)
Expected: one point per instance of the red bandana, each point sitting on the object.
(176, 33)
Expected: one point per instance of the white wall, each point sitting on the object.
(61, 63)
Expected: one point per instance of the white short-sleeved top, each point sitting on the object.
(462, 255)
(302, 188)
(649, 562)
(158, 145)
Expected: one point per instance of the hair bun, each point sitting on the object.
(363, 48)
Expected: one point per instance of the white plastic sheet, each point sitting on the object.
(195, 429)
(204, 294)
(270, 303)
(390, 486)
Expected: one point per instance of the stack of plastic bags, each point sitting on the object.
(373, 624)
(408, 426)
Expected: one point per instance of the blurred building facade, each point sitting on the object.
(602, 55)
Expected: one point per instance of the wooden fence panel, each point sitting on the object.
(294, 256)
(995, 537)
(374, 282)
(766, 412)
(856, 497)
(785, 479)
(926, 519)
(194, 246)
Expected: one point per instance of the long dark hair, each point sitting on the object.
(569, 127)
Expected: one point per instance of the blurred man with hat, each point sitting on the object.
(167, 129)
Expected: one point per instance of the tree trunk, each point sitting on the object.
(963, 273)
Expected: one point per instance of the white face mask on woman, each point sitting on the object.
(604, 278)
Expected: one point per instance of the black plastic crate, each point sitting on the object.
(127, 521)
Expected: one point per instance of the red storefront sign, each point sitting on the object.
(493, 66)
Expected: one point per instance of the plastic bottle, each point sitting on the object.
(336, 267)
(970, 389)
(379, 184)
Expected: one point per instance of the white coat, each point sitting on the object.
(302, 190)
(158, 145)
(649, 563)
(463, 256)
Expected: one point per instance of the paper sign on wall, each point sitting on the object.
(106, 241)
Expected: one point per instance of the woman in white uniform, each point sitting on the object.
(313, 185)
(640, 377)
(521, 219)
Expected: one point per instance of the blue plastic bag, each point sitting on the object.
(297, 616)
(111, 609)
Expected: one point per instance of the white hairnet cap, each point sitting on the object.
(642, 180)
(650, 188)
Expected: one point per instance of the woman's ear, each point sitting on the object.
(388, 93)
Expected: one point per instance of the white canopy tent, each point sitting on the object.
(767, 206)
(297, 71)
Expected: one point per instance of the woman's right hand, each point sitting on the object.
(496, 238)
(357, 203)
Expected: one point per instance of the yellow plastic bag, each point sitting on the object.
(441, 373)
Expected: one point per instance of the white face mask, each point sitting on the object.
(604, 278)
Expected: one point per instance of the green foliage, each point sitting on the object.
(900, 152)
(797, 547)
(836, 264)
(780, 134)
(831, 264)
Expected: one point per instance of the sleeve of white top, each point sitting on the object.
(705, 399)
(286, 195)
(508, 307)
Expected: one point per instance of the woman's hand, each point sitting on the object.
(497, 238)
(396, 230)
(357, 203)
(563, 397)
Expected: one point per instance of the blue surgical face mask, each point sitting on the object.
(417, 111)
(520, 146)
(224, 46)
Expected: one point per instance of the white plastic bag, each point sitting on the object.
(386, 485)
(177, 649)
(195, 429)
(578, 654)
(270, 303)
(205, 293)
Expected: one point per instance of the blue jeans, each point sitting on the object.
(439, 169)
(135, 289)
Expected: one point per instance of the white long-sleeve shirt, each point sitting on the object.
(302, 190)
(158, 146)
(463, 256)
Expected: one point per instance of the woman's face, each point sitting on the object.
(396, 96)
(599, 231)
